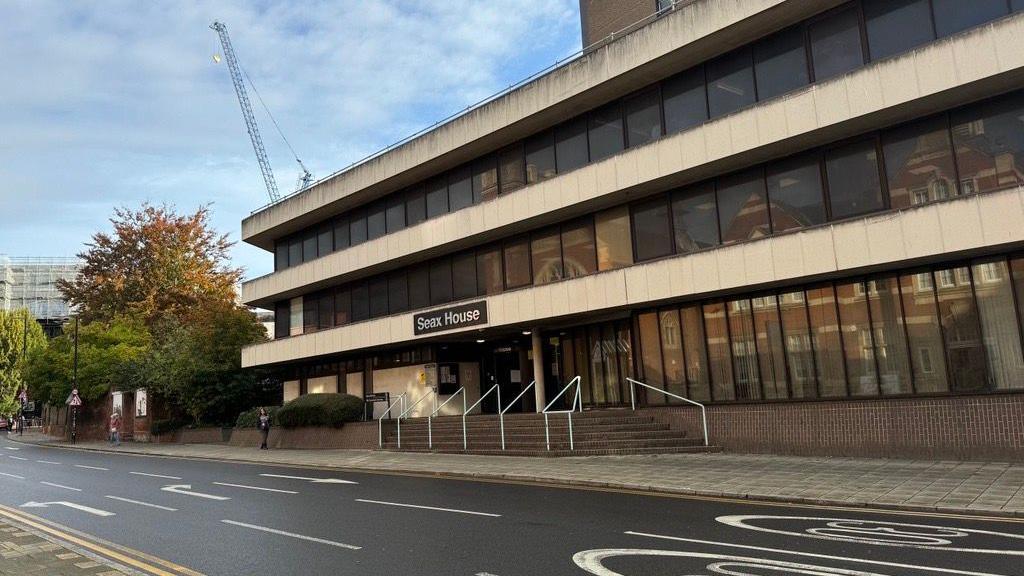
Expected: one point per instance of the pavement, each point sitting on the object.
(24, 550)
(204, 516)
(989, 488)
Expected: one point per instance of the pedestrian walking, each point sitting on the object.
(115, 428)
(263, 423)
(21, 425)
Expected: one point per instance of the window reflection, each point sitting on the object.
(919, 163)
(742, 207)
(795, 194)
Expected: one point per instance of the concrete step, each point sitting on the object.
(533, 435)
(578, 452)
(556, 443)
(555, 420)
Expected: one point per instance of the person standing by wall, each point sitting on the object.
(263, 423)
(115, 428)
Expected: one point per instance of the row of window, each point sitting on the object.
(952, 329)
(823, 47)
(975, 149)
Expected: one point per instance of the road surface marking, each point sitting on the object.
(876, 532)
(809, 554)
(61, 486)
(119, 499)
(429, 508)
(17, 458)
(11, 448)
(47, 462)
(87, 509)
(91, 467)
(313, 480)
(186, 489)
(156, 475)
(289, 534)
(12, 475)
(255, 488)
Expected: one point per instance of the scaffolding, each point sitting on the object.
(31, 282)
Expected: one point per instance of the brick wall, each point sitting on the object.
(989, 427)
(354, 435)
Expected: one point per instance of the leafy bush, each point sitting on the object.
(249, 418)
(160, 427)
(320, 410)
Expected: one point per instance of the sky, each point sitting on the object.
(115, 103)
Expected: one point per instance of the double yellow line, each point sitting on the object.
(126, 556)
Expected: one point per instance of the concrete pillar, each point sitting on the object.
(538, 369)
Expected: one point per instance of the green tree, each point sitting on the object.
(20, 335)
(106, 353)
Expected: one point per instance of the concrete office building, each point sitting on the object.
(31, 282)
(806, 214)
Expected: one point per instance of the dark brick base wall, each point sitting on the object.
(354, 435)
(989, 427)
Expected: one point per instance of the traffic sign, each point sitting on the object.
(74, 399)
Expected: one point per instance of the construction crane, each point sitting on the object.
(250, 121)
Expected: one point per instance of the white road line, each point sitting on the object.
(255, 488)
(17, 458)
(12, 475)
(186, 489)
(429, 508)
(119, 499)
(290, 535)
(156, 475)
(11, 448)
(47, 462)
(811, 555)
(313, 480)
(61, 486)
(92, 467)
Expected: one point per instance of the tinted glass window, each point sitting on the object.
(695, 218)
(828, 349)
(770, 348)
(895, 26)
(517, 263)
(512, 168)
(795, 195)
(672, 352)
(546, 252)
(398, 292)
(744, 350)
(325, 241)
(294, 252)
(1016, 5)
(342, 307)
(695, 352)
(643, 118)
(650, 354)
(571, 144)
(994, 292)
(835, 44)
(460, 188)
(853, 183)
(280, 256)
(464, 275)
(780, 63)
(606, 132)
(730, 82)
(309, 313)
(325, 311)
(437, 197)
(718, 351)
(281, 313)
(614, 244)
(485, 179)
(919, 163)
(488, 271)
(341, 239)
(651, 229)
(441, 281)
(579, 254)
(357, 227)
(396, 213)
(309, 247)
(378, 297)
(540, 157)
(376, 220)
(989, 143)
(890, 336)
(685, 100)
(360, 302)
(858, 345)
(419, 287)
(952, 16)
(959, 317)
(415, 206)
(742, 207)
(799, 354)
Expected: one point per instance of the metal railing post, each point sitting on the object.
(430, 433)
(380, 421)
(703, 411)
(465, 411)
(501, 413)
(547, 410)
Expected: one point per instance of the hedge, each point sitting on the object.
(249, 418)
(320, 410)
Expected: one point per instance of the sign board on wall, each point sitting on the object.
(118, 402)
(447, 378)
(141, 402)
(471, 314)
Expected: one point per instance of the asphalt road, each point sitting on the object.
(229, 518)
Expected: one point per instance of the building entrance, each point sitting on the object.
(600, 354)
(507, 365)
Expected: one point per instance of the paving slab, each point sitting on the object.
(25, 551)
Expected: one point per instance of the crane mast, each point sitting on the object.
(250, 120)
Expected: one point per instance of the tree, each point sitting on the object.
(20, 335)
(156, 263)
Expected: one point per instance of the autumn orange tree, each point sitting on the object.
(155, 263)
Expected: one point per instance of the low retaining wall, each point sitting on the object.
(989, 427)
(354, 435)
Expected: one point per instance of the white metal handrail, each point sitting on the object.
(430, 431)
(475, 404)
(501, 412)
(547, 410)
(407, 410)
(380, 421)
(632, 402)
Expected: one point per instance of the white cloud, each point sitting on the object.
(117, 102)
